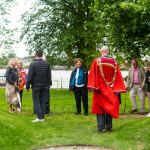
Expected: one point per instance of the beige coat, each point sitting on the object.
(141, 77)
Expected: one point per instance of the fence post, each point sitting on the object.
(61, 83)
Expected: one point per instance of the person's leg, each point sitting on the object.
(108, 122)
(36, 102)
(77, 93)
(20, 93)
(148, 96)
(47, 102)
(43, 98)
(141, 95)
(84, 94)
(133, 98)
(101, 122)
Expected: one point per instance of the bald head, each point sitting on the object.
(104, 50)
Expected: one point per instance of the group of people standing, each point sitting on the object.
(38, 77)
(104, 79)
(15, 82)
(107, 84)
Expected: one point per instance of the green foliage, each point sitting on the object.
(77, 28)
(63, 26)
(6, 34)
(127, 26)
(63, 127)
(4, 58)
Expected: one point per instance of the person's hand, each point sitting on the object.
(28, 90)
(127, 88)
(70, 92)
(91, 90)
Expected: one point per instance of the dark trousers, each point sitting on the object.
(47, 103)
(39, 100)
(104, 121)
(81, 92)
(20, 93)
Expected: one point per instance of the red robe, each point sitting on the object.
(105, 101)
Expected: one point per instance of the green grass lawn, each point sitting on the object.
(63, 127)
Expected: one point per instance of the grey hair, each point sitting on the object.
(104, 48)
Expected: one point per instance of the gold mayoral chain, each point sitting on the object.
(111, 83)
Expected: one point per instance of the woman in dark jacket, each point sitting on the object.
(78, 84)
(11, 83)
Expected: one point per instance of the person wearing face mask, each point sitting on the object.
(136, 86)
(78, 84)
(106, 82)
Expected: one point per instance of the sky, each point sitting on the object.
(15, 22)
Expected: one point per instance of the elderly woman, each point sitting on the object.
(78, 84)
(11, 83)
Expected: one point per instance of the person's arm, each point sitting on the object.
(8, 76)
(50, 76)
(128, 79)
(144, 77)
(71, 77)
(30, 77)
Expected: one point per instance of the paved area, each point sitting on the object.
(74, 148)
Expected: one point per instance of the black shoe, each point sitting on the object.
(77, 113)
(86, 114)
(110, 130)
(133, 111)
(102, 131)
(142, 113)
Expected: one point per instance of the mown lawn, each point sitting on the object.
(63, 127)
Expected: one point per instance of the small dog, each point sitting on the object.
(14, 103)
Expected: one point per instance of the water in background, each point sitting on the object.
(60, 78)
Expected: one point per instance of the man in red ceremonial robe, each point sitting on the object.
(106, 81)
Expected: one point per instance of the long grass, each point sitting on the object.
(63, 127)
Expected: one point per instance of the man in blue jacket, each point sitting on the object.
(78, 84)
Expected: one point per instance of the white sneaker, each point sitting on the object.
(18, 109)
(148, 115)
(38, 120)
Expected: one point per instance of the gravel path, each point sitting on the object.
(74, 148)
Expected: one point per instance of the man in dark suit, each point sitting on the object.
(39, 77)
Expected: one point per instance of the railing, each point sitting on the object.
(2, 80)
(56, 84)
(60, 84)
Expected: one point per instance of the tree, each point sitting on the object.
(6, 34)
(4, 58)
(76, 28)
(63, 26)
(127, 26)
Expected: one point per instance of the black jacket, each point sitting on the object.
(11, 75)
(147, 79)
(39, 74)
(73, 74)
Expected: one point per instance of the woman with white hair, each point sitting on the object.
(11, 83)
